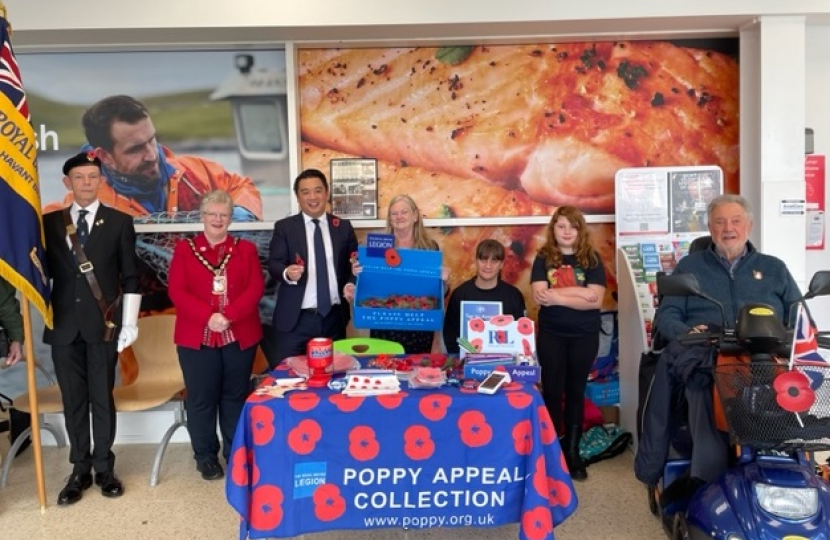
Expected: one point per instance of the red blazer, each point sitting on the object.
(190, 288)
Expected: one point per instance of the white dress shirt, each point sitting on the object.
(311, 267)
(75, 209)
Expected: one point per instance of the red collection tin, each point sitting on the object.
(319, 355)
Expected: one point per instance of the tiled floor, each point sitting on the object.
(612, 505)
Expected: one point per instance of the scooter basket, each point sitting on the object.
(769, 406)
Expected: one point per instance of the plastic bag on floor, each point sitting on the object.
(601, 442)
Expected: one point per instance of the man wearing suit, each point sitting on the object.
(310, 251)
(83, 355)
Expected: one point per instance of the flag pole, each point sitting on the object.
(31, 379)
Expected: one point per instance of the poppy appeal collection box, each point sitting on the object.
(503, 335)
(399, 289)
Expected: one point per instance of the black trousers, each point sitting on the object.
(566, 363)
(86, 376)
(217, 381)
(310, 325)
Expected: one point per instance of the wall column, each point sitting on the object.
(773, 107)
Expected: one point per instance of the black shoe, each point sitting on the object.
(74, 489)
(111, 486)
(211, 470)
(577, 470)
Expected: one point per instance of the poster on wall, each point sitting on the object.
(814, 176)
(168, 126)
(354, 188)
(505, 131)
(660, 211)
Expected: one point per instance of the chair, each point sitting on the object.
(700, 243)
(49, 401)
(159, 380)
(367, 346)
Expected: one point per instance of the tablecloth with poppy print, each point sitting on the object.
(318, 460)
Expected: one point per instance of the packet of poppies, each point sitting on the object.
(374, 383)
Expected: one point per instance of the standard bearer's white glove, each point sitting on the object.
(127, 337)
(131, 303)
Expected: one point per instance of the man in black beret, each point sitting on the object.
(91, 258)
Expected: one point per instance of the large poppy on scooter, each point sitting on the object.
(793, 392)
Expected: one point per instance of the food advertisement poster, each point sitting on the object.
(499, 136)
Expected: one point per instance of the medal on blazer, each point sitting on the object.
(220, 281)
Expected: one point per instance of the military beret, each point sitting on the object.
(84, 158)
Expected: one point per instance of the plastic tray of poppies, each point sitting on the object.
(410, 278)
(771, 405)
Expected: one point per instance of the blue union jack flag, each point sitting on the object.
(805, 345)
(22, 257)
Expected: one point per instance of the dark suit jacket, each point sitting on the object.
(111, 250)
(288, 241)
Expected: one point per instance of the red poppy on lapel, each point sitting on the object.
(335, 222)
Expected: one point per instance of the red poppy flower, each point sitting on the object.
(537, 523)
(329, 504)
(302, 401)
(475, 431)
(303, 438)
(363, 443)
(90, 156)
(392, 401)
(519, 400)
(335, 222)
(434, 406)
(266, 508)
(393, 258)
(525, 326)
(476, 324)
(522, 439)
(501, 320)
(346, 403)
(244, 471)
(540, 476)
(559, 493)
(298, 260)
(793, 392)
(546, 430)
(262, 424)
(418, 443)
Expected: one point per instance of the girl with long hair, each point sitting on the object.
(568, 282)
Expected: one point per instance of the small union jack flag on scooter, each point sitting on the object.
(805, 345)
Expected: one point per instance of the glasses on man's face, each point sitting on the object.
(220, 215)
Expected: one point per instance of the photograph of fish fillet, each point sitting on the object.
(458, 244)
(439, 195)
(553, 121)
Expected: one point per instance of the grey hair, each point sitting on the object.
(729, 198)
(217, 196)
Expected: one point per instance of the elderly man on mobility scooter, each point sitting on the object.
(732, 271)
